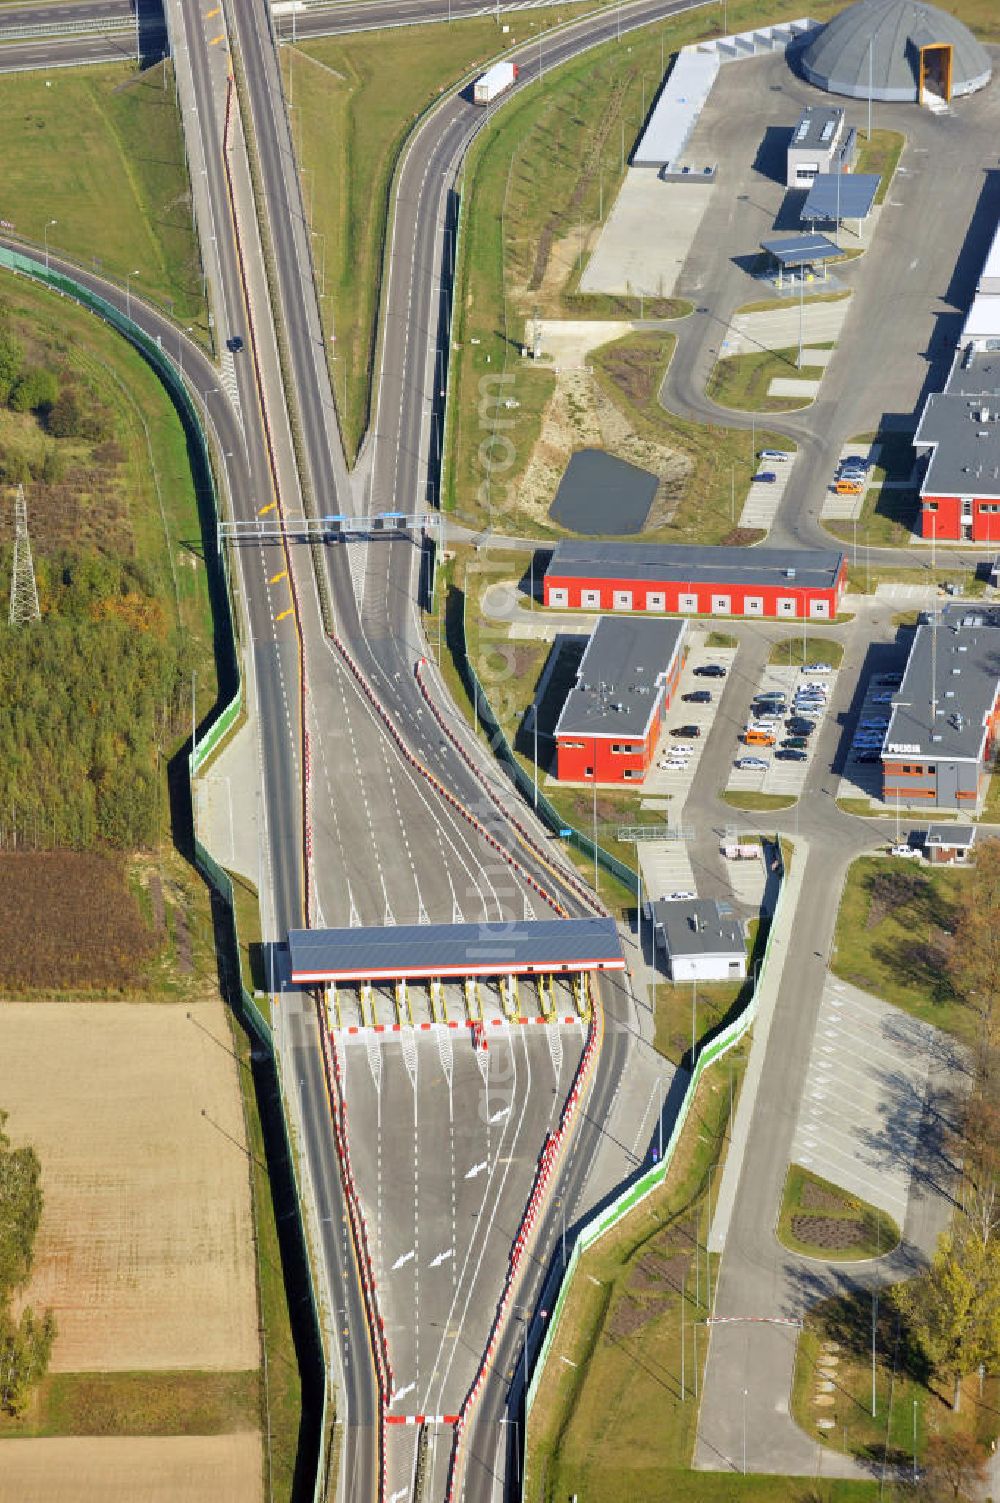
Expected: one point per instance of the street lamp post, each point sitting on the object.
(802, 312)
(128, 292)
(47, 228)
(744, 1432)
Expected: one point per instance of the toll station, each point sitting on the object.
(417, 975)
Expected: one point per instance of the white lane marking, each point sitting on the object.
(406, 1257)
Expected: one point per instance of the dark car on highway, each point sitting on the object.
(710, 670)
(698, 697)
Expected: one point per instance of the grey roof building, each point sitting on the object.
(885, 47)
(942, 733)
(415, 951)
(960, 427)
(621, 677)
(810, 568)
(703, 939)
(814, 144)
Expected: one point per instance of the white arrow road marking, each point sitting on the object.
(399, 1495)
(477, 1169)
(406, 1258)
(442, 1257)
(499, 1116)
(402, 1392)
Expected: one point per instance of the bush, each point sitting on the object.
(35, 390)
(11, 356)
(64, 417)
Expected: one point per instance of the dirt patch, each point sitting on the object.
(815, 1198)
(172, 1469)
(654, 1272)
(629, 1316)
(145, 1249)
(829, 1232)
(580, 415)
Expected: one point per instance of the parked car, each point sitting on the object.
(798, 725)
(809, 696)
(821, 689)
(759, 736)
(908, 851)
(710, 670)
(687, 732)
(751, 764)
(765, 477)
(698, 697)
(789, 754)
(771, 696)
(773, 456)
(682, 895)
(795, 743)
(815, 668)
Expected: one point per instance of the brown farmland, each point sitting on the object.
(98, 1469)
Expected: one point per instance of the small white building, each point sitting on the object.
(702, 940)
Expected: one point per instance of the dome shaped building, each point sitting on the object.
(895, 50)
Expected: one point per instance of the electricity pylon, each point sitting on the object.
(23, 592)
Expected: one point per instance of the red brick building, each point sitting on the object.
(678, 579)
(610, 725)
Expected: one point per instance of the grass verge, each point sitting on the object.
(793, 652)
(247, 906)
(893, 931)
(721, 639)
(743, 382)
(758, 801)
(880, 152)
(94, 159)
(819, 1219)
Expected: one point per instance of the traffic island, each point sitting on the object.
(820, 1220)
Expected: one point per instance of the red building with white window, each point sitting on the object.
(959, 432)
(610, 724)
(679, 579)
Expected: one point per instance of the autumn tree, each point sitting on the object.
(954, 1469)
(975, 957)
(953, 1308)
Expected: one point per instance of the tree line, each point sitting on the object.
(25, 1341)
(89, 698)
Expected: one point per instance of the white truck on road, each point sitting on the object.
(494, 82)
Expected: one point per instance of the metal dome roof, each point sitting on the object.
(837, 59)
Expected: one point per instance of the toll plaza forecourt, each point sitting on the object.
(455, 1125)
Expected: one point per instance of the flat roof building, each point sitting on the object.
(949, 845)
(400, 952)
(677, 578)
(702, 940)
(814, 144)
(675, 113)
(610, 724)
(959, 435)
(942, 733)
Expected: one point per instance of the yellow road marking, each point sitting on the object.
(216, 40)
(282, 614)
(265, 509)
(279, 577)
(216, 12)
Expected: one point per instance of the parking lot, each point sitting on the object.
(771, 773)
(847, 508)
(764, 496)
(862, 769)
(865, 1121)
(677, 757)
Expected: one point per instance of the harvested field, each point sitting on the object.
(145, 1248)
(172, 1469)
